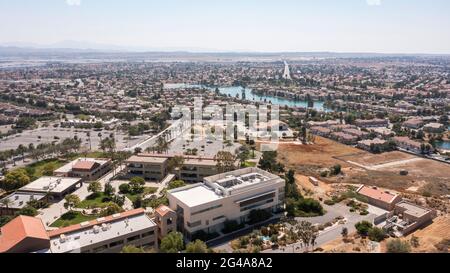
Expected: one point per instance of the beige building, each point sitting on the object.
(88, 169)
(149, 167)
(166, 220)
(154, 167)
(227, 196)
(380, 198)
(107, 234)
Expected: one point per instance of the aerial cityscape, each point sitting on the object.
(202, 146)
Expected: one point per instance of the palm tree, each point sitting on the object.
(88, 134)
(6, 202)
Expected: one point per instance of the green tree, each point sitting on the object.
(132, 249)
(124, 188)
(376, 234)
(174, 163)
(6, 202)
(15, 179)
(28, 211)
(172, 243)
(95, 187)
(176, 184)
(363, 227)
(71, 201)
(109, 190)
(197, 246)
(307, 233)
(111, 209)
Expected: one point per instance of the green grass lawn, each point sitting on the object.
(72, 218)
(43, 168)
(99, 201)
(248, 164)
(147, 190)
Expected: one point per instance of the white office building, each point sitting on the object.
(227, 196)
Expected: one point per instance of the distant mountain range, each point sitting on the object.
(81, 47)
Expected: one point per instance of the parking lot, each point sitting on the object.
(205, 148)
(50, 134)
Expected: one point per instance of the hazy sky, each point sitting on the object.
(389, 26)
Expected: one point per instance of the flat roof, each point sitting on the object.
(74, 237)
(146, 159)
(413, 209)
(21, 199)
(52, 184)
(196, 195)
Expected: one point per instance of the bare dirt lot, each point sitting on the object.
(321, 154)
(359, 166)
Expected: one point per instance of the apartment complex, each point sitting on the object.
(154, 167)
(227, 196)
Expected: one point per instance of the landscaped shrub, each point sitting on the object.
(376, 234)
(398, 246)
(363, 227)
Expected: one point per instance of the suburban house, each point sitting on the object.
(414, 123)
(371, 123)
(372, 144)
(344, 138)
(204, 207)
(320, 131)
(408, 144)
(435, 128)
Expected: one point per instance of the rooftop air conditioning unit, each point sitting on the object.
(62, 238)
(96, 229)
(104, 227)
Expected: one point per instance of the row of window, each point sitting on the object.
(205, 210)
(122, 242)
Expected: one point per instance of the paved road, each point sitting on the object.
(331, 233)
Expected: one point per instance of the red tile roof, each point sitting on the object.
(19, 229)
(84, 165)
(377, 194)
(163, 210)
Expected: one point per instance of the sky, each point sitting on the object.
(379, 26)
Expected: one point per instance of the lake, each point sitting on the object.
(237, 90)
(445, 145)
